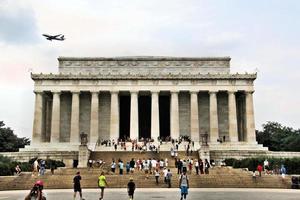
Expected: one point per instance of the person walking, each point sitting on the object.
(197, 166)
(131, 188)
(169, 176)
(156, 174)
(77, 186)
(102, 183)
(183, 185)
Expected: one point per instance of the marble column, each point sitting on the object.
(134, 115)
(38, 118)
(114, 115)
(74, 138)
(94, 117)
(174, 115)
(155, 115)
(195, 135)
(250, 123)
(232, 118)
(213, 117)
(55, 122)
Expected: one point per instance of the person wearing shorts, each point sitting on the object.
(77, 186)
(102, 184)
(183, 185)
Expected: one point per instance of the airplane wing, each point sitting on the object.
(56, 35)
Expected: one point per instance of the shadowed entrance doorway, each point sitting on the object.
(144, 116)
(124, 116)
(164, 116)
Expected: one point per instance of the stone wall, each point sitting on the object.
(184, 113)
(85, 113)
(203, 106)
(222, 101)
(104, 115)
(65, 116)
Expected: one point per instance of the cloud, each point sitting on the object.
(18, 24)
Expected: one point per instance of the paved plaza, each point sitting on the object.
(149, 193)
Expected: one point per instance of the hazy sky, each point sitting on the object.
(261, 35)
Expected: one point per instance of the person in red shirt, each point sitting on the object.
(259, 169)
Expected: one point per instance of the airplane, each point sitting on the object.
(54, 37)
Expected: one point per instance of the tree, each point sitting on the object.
(278, 137)
(10, 142)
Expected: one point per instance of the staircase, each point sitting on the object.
(219, 177)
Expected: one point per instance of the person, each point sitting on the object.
(130, 188)
(206, 166)
(102, 183)
(121, 167)
(90, 163)
(35, 167)
(266, 166)
(37, 193)
(254, 175)
(156, 174)
(77, 186)
(165, 171)
(18, 170)
(183, 185)
(113, 166)
(283, 171)
(197, 167)
(201, 166)
(259, 169)
(42, 167)
(184, 165)
(127, 168)
(179, 166)
(169, 176)
(132, 163)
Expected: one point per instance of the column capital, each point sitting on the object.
(114, 91)
(56, 92)
(213, 91)
(194, 91)
(134, 91)
(174, 91)
(155, 91)
(231, 91)
(249, 91)
(38, 91)
(94, 91)
(75, 91)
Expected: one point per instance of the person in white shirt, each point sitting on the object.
(165, 171)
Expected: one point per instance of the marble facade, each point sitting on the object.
(85, 96)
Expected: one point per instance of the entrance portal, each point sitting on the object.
(164, 116)
(124, 117)
(144, 116)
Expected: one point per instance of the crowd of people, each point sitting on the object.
(265, 167)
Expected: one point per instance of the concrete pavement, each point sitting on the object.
(164, 193)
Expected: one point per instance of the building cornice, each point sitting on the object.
(61, 76)
(144, 58)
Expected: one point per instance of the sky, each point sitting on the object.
(259, 35)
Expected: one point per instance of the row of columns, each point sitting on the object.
(174, 122)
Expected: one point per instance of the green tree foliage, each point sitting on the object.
(10, 142)
(278, 137)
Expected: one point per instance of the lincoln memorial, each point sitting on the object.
(143, 97)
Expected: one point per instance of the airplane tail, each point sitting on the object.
(62, 37)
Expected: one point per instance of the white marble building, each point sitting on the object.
(149, 97)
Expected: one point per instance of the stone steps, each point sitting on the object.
(218, 177)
